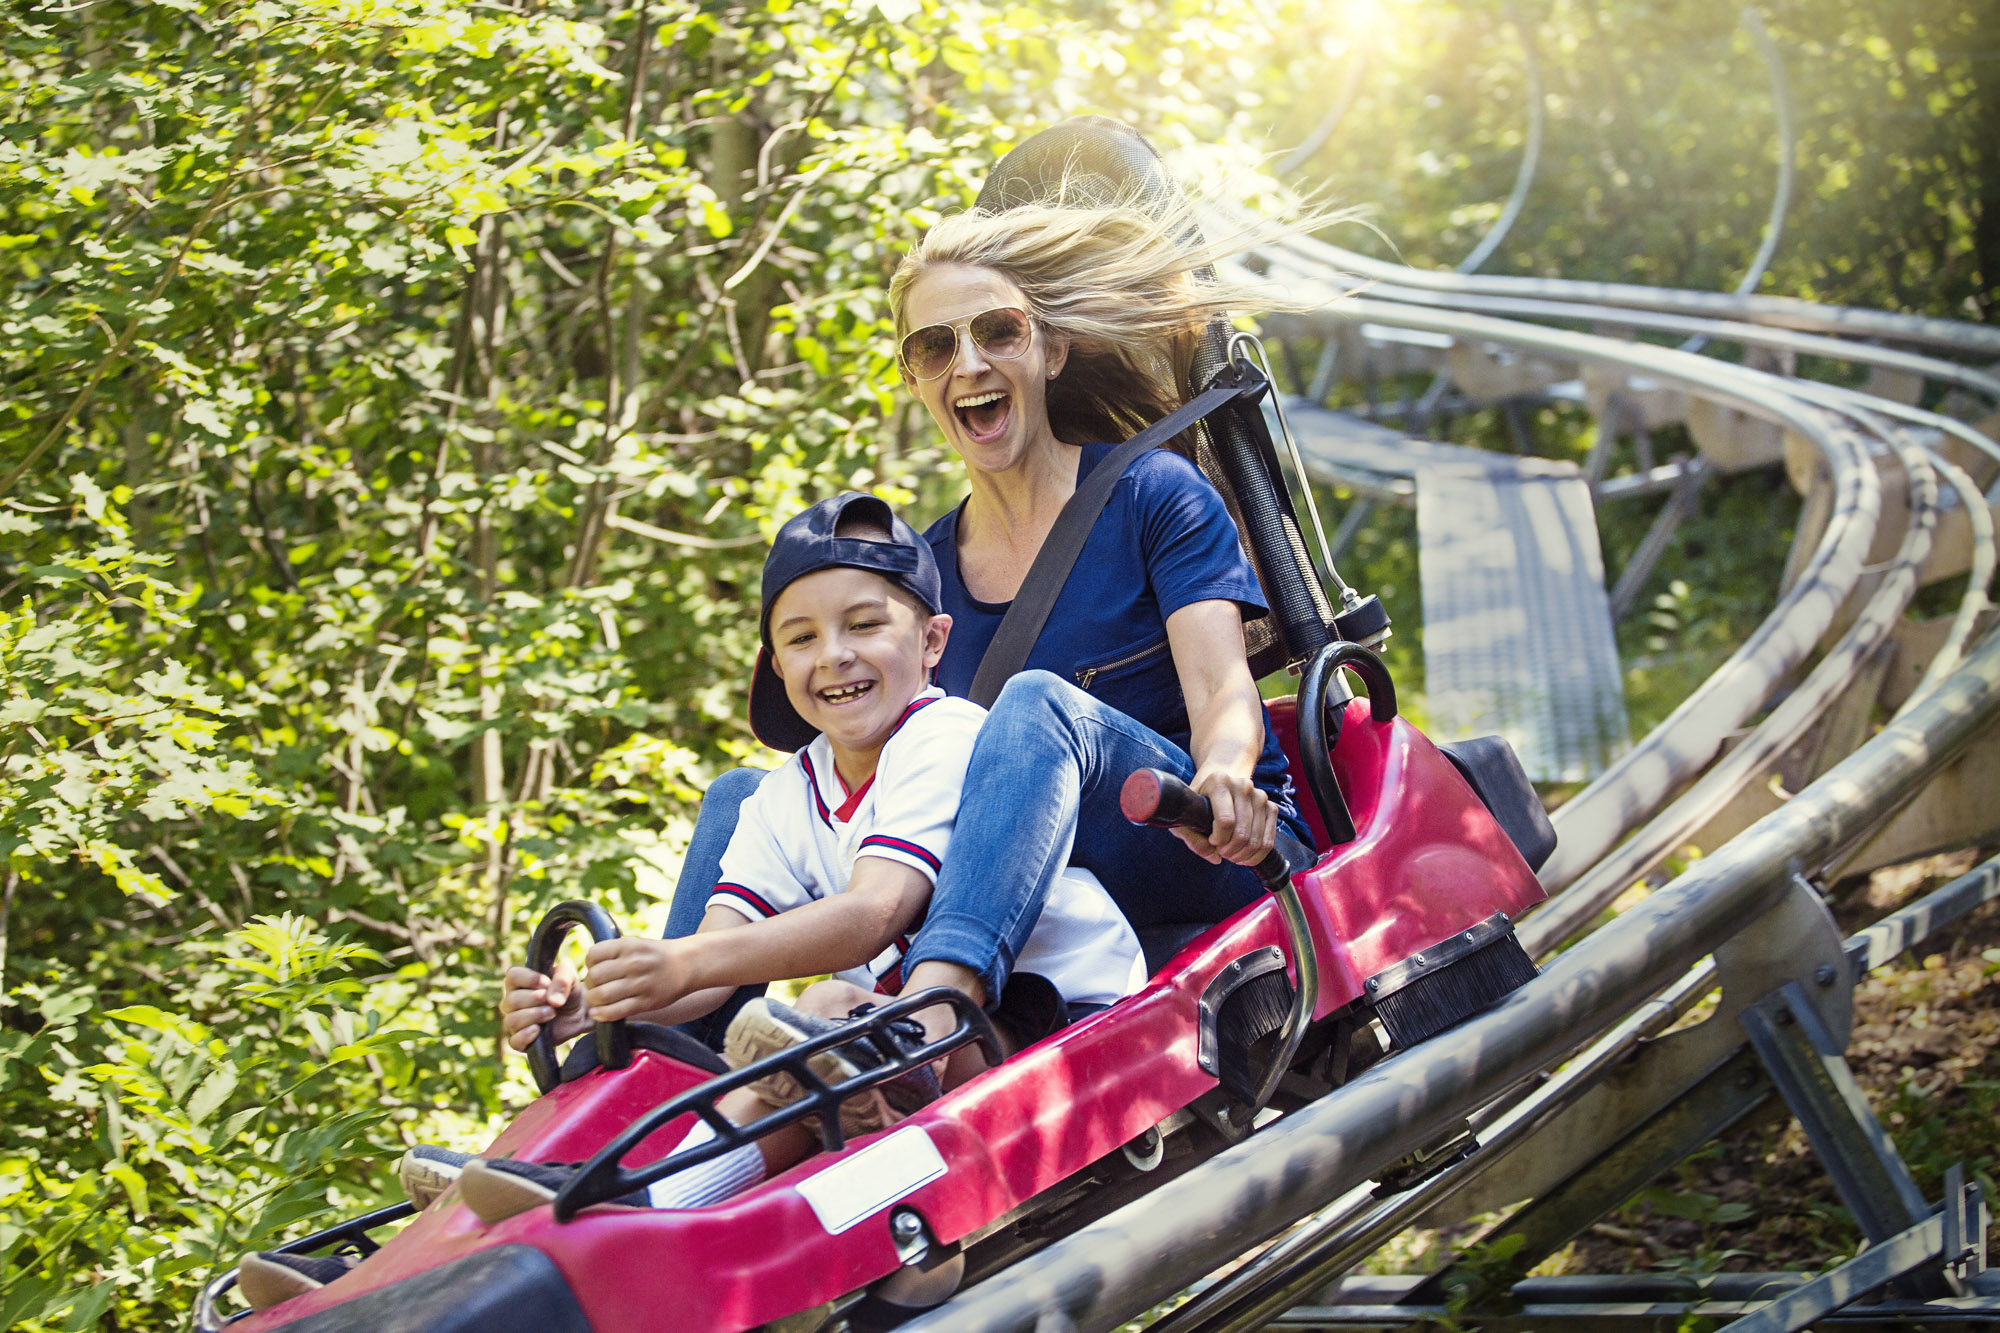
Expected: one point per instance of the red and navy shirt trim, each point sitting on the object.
(901, 845)
(826, 814)
(747, 897)
(812, 785)
(912, 710)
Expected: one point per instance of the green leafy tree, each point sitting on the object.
(399, 396)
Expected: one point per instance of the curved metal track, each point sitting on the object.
(1551, 1047)
(1531, 153)
(1120, 1267)
(1788, 153)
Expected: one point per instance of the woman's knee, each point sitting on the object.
(1032, 688)
(1034, 702)
(733, 786)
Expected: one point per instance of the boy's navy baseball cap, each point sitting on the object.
(806, 545)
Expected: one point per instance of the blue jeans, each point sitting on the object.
(1042, 793)
(701, 869)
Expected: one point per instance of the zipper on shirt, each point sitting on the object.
(1090, 673)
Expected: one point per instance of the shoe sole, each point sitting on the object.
(757, 1032)
(495, 1196)
(425, 1178)
(265, 1284)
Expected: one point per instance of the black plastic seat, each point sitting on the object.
(1493, 771)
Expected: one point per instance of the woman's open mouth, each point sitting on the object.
(846, 694)
(984, 415)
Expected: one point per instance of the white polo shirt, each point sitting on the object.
(799, 834)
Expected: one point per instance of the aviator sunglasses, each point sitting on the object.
(1003, 332)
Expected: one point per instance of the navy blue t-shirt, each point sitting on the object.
(1165, 540)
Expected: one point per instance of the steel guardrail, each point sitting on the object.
(1120, 1266)
(1627, 978)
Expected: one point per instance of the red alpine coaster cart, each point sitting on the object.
(1400, 928)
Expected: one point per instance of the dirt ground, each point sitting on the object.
(1925, 1047)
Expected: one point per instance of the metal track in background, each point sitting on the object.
(1619, 800)
(1119, 1267)
(1609, 995)
(1626, 795)
(1948, 337)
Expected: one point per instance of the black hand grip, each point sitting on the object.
(1320, 713)
(1157, 798)
(614, 1043)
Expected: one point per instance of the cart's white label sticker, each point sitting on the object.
(872, 1179)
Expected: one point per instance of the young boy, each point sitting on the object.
(829, 871)
(832, 862)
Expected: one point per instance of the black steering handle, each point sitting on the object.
(1321, 710)
(614, 1041)
(1155, 797)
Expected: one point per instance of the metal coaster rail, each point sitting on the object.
(1783, 312)
(1516, 1068)
(1121, 1266)
(1592, 822)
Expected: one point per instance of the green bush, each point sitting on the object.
(143, 1148)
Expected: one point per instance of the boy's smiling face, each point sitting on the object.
(853, 649)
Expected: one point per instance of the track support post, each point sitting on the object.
(1943, 1238)
(1809, 1069)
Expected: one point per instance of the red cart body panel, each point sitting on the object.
(1428, 861)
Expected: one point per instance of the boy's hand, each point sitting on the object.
(528, 999)
(632, 976)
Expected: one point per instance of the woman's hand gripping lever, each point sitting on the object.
(1151, 796)
(1157, 798)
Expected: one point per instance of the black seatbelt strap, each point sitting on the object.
(1021, 627)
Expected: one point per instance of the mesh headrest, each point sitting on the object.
(1090, 160)
(1099, 160)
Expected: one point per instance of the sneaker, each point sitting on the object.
(497, 1188)
(428, 1171)
(764, 1027)
(268, 1278)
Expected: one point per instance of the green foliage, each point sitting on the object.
(84, 759)
(1717, 581)
(144, 1146)
(1693, 1205)
(1660, 150)
(399, 398)
(399, 395)
(1481, 1269)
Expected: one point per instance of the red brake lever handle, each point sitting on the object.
(1157, 798)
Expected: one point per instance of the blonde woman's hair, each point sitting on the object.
(1121, 284)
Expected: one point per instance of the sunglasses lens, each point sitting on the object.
(927, 351)
(1002, 333)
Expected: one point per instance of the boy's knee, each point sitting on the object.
(834, 998)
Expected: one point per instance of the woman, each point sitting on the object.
(1037, 338)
